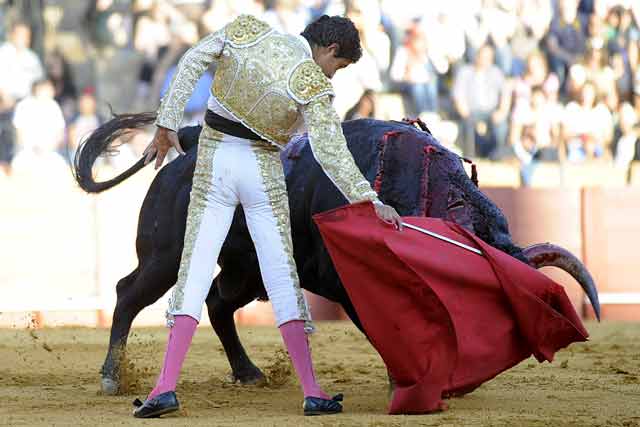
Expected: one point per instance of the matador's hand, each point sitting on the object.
(162, 141)
(388, 215)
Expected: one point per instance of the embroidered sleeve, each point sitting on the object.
(330, 150)
(189, 70)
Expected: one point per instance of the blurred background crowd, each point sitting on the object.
(521, 82)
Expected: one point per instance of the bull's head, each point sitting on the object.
(419, 177)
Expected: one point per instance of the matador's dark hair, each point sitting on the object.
(327, 30)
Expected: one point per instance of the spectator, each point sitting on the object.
(536, 74)
(373, 39)
(623, 76)
(151, 38)
(598, 71)
(7, 133)
(287, 16)
(501, 20)
(534, 18)
(524, 147)
(587, 126)
(597, 34)
(446, 42)
(86, 121)
(539, 121)
(414, 73)
(479, 100)
(40, 129)
(59, 73)
(555, 111)
(364, 108)
(627, 146)
(622, 28)
(351, 82)
(566, 40)
(21, 67)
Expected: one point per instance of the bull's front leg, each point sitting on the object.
(141, 288)
(221, 314)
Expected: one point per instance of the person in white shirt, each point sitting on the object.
(40, 126)
(21, 67)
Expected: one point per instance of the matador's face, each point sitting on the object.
(326, 58)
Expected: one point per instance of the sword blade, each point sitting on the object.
(441, 237)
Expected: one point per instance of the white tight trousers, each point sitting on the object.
(229, 172)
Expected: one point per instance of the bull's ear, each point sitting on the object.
(307, 82)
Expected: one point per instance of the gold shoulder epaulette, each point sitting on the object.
(246, 29)
(307, 81)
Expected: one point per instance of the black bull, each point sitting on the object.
(411, 171)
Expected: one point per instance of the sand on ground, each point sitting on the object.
(51, 377)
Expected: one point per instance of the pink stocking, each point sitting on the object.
(297, 344)
(180, 337)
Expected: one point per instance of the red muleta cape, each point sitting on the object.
(444, 319)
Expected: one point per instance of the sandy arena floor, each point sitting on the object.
(50, 377)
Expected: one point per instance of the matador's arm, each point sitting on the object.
(190, 68)
(312, 90)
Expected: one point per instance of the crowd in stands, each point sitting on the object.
(522, 81)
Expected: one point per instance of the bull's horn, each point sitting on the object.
(546, 254)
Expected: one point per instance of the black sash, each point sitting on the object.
(230, 127)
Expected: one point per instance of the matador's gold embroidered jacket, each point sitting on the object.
(268, 81)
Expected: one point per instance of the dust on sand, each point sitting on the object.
(50, 377)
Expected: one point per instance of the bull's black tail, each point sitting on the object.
(103, 141)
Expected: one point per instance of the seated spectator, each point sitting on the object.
(621, 28)
(623, 76)
(587, 126)
(151, 38)
(375, 42)
(555, 111)
(365, 107)
(287, 16)
(446, 42)
(40, 129)
(566, 40)
(597, 32)
(479, 100)
(351, 83)
(598, 71)
(524, 147)
(628, 142)
(86, 121)
(7, 133)
(501, 20)
(537, 118)
(414, 73)
(21, 67)
(59, 73)
(533, 134)
(536, 74)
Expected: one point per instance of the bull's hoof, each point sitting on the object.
(109, 386)
(253, 379)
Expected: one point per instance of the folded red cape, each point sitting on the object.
(444, 319)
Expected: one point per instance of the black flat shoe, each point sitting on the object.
(161, 404)
(318, 406)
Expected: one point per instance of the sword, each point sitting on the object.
(441, 237)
